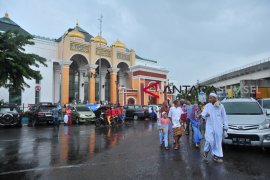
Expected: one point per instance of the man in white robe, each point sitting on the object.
(216, 123)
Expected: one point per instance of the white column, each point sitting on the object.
(103, 76)
(121, 78)
(57, 83)
(81, 85)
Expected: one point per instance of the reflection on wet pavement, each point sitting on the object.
(129, 151)
(29, 148)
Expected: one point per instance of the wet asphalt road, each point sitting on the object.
(130, 151)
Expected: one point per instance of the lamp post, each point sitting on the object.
(99, 63)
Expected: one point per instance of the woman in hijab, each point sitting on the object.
(68, 112)
(165, 107)
(195, 122)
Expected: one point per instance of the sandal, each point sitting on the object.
(217, 159)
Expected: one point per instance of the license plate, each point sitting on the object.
(241, 140)
(48, 115)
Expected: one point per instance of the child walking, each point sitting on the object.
(164, 130)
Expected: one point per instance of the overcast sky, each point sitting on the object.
(194, 40)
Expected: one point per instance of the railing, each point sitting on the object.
(238, 69)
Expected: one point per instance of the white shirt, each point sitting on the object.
(158, 113)
(175, 114)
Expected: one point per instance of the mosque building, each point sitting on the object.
(73, 71)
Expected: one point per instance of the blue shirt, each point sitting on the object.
(188, 109)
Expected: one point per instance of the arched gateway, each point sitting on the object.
(77, 81)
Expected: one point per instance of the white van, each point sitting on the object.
(248, 123)
(265, 103)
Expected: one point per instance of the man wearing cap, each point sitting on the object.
(216, 123)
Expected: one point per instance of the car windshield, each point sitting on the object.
(82, 108)
(47, 108)
(7, 109)
(138, 107)
(145, 107)
(242, 108)
(266, 104)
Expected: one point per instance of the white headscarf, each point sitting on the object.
(217, 103)
(213, 95)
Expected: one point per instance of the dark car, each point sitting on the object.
(42, 113)
(10, 116)
(135, 112)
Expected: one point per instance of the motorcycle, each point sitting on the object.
(101, 120)
(116, 120)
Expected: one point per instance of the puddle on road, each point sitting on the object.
(51, 147)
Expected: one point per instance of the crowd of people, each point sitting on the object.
(113, 115)
(178, 119)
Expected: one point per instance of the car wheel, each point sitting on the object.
(135, 117)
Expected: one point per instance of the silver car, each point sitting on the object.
(265, 103)
(248, 124)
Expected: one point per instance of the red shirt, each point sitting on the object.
(119, 111)
(164, 121)
(113, 112)
(68, 111)
(108, 112)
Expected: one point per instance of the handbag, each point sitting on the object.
(179, 131)
(183, 116)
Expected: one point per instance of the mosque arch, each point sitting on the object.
(123, 75)
(131, 100)
(104, 80)
(78, 54)
(77, 81)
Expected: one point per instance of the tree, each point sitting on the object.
(15, 64)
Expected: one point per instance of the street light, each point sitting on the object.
(99, 63)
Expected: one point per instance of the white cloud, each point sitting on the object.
(192, 39)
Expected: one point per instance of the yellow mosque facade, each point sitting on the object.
(73, 71)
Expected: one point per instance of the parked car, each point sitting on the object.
(10, 116)
(135, 112)
(248, 124)
(265, 103)
(41, 113)
(82, 114)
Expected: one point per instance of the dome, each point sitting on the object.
(119, 44)
(99, 39)
(76, 33)
(6, 15)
